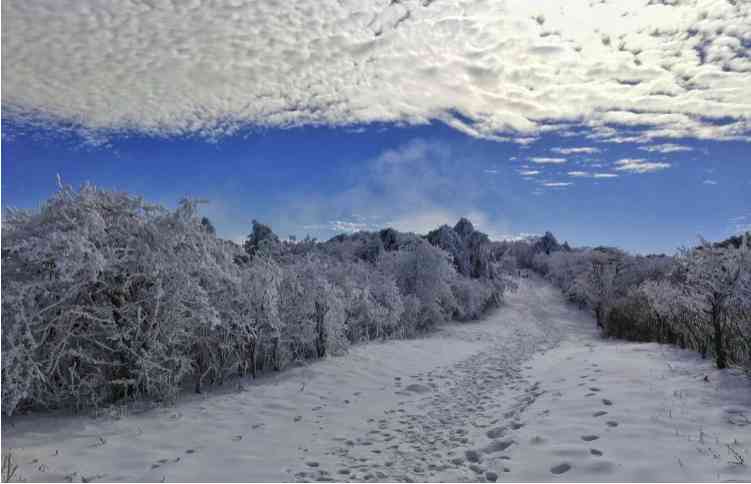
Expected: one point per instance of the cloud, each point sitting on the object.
(529, 172)
(575, 151)
(557, 184)
(586, 174)
(339, 226)
(415, 187)
(621, 69)
(491, 171)
(741, 224)
(640, 166)
(709, 182)
(665, 148)
(544, 160)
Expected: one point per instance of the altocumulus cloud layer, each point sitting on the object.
(626, 70)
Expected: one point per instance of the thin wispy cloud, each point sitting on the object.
(557, 184)
(529, 172)
(741, 224)
(496, 70)
(339, 226)
(542, 160)
(665, 148)
(587, 174)
(637, 165)
(588, 150)
(709, 182)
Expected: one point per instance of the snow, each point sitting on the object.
(518, 396)
(652, 413)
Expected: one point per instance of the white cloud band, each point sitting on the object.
(491, 69)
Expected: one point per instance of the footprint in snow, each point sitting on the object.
(611, 423)
(417, 388)
(561, 468)
(607, 402)
(589, 438)
(497, 446)
(599, 414)
(537, 440)
(595, 452)
(472, 455)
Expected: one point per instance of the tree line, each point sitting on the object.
(109, 298)
(700, 298)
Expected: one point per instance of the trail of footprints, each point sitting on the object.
(451, 422)
(564, 467)
(431, 435)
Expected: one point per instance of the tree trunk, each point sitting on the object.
(253, 358)
(248, 357)
(719, 346)
(275, 354)
(320, 315)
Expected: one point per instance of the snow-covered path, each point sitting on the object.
(531, 393)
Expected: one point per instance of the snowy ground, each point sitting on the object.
(530, 393)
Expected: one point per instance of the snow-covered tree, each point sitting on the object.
(469, 248)
(674, 314)
(101, 289)
(262, 239)
(596, 287)
(311, 310)
(715, 280)
(425, 272)
(106, 297)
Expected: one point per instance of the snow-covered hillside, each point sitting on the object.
(529, 393)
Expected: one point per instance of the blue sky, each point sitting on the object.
(618, 122)
(323, 181)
